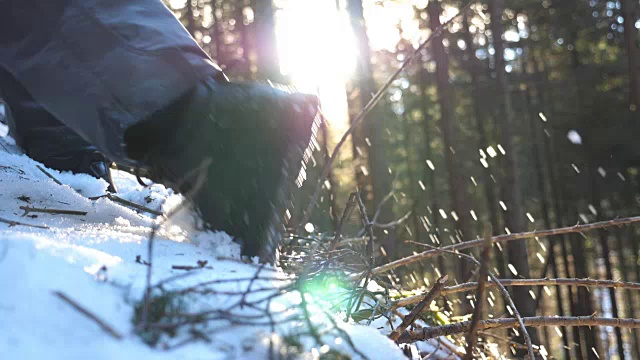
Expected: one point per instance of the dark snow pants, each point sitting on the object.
(80, 72)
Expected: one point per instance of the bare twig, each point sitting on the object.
(253, 279)
(505, 238)
(538, 321)
(201, 175)
(345, 214)
(384, 201)
(128, 203)
(472, 336)
(365, 277)
(49, 175)
(368, 227)
(515, 344)
(393, 223)
(411, 318)
(372, 103)
(441, 341)
(14, 223)
(524, 282)
(103, 325)
(28, 209)
(189, 267)
(505, 294)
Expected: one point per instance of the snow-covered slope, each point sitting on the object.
(91, 259)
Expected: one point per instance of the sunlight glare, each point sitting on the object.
(315, 44)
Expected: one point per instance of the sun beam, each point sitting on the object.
(315, 43)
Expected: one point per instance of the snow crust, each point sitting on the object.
(92, 260)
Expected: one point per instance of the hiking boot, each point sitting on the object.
(249, 142)
(82, 161)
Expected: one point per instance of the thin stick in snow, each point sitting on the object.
(128, 203)
(14, 223)
(29, 209)
(103, 325)
(49, 175)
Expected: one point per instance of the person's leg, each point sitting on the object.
(100, 66)
(47, 140)
(103, 67)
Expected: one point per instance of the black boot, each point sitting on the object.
(254, 137)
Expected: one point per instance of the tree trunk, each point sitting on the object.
(550, 166)
(457, 189)
(266, 50)
(333, 206)
(514, 217)
(373, 129)
(487, 182)
(603, 240)
(552, 259)
(629, 13)
(628, 196)
(623, 246)
(415, 214)
(244, 63)
(190, 21)
(429, 174)
(217, 33)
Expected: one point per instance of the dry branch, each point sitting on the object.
(14, 223)
(345, 214)
(368, 227)
(189, 267)
(49, 175)
(472, 336)
(393, 223)
(538, 321)
(503, 290)
(525, 282)
(504, 238)
(28, 209)
(103, 325)
(128, 203)
(411, 318)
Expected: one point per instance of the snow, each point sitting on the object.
(92, 260)
(574, 137)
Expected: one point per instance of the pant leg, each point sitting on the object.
(100, 66)
(36, 130)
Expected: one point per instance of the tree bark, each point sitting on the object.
(244, 45)
(630, 16)
(429, 174)
(546, 217)
(514, 217)
(457, 189)
(190, 21)
(373, 129)
(266, 51)
(487, 182)
(217, 34)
